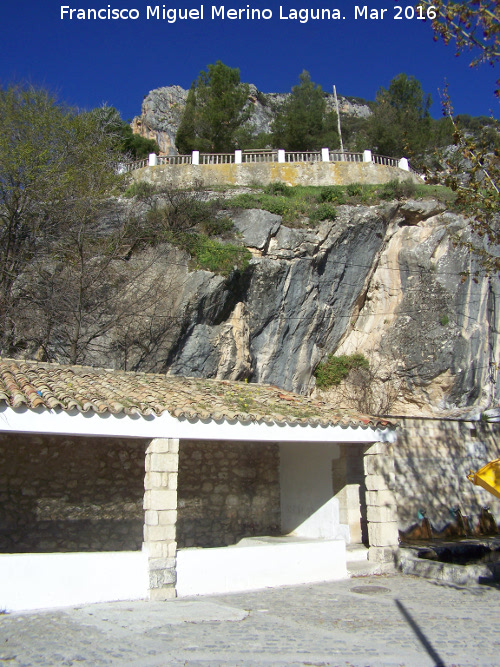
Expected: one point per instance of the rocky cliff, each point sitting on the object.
(388, 281)
(162, 111)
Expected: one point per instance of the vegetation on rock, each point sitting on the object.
(335, 369)
(401, 123)
(216, 107)
(302, 122)
(473, 169)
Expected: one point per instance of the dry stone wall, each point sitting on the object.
(61, 493)
(227, 491)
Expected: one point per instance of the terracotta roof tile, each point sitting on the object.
(35, 384)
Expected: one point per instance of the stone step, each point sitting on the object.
(356, 552)
(358, 564)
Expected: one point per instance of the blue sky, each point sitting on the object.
(88, 62)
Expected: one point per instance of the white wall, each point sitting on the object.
(246, 568)
(41, 581)
(308, 508)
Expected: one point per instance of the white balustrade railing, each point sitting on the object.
(259, 156)
(174, 159)
(303, 156)
(253, 156)
(216, 158)
(125, 167)
(338, 156)
(387, 161)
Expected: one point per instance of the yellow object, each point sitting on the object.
(488, 477)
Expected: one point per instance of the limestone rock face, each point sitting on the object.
(403, 294)
(162, 111)
(428, 318)
(417, 211)
(160, 117)
(388, 281)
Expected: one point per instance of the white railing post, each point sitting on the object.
(367, 156)
(153, 160)
(195, 157)
(281, 155)
(325, 155)
(238, 159)
(403, 164)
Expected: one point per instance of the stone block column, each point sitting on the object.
(381, 508)
(160, 516)
(348, 488)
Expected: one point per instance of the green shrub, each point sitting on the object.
(325, 211)
(276, 205)
(354, 189)
(335, 369)
(333, 194)
(217, 257)
(244, 200)
(444, 320)
(397, 190)
(279, 188)
(140, 189)
(217, 226)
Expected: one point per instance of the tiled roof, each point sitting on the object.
(34, 384)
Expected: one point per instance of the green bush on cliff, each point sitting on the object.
(397, 190)
(333, 194)
(324, 211)
(335, 369)
(222, 258)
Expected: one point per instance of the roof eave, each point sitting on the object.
(74, 422)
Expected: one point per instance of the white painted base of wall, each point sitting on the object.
(263, 565)
(42, 581)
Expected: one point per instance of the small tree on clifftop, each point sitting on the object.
(401, 123)
(303, 123)
(216, 107)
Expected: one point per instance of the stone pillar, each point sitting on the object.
(348, 488)
(281, 155)
(153, 160)
(195, 157)
(403, 164)
(238, 157)
(325, 155)
(367, 156)
(160, 516)
(381, 508)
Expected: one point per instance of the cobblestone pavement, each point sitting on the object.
(375, 620)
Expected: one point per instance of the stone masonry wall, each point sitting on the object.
(61, 493)
(296, 173)
(431, 460)
(227, 491)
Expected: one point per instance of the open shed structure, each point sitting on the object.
(118, 485)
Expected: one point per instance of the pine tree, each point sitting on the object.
(216, 108)
(185, 139)
(303, 123)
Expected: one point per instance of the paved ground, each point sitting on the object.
(374, 620)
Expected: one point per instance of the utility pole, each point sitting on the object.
(338, 121)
